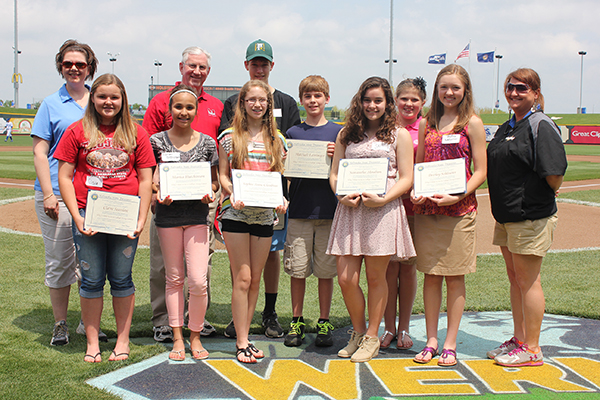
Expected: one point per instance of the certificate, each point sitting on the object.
(362, 175)
(257, 188)
(307, 159)
(113, 213)
(185, 181)
(440, 177)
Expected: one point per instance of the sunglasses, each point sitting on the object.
(519, 87)
(78, 65)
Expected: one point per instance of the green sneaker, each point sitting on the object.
(295, 335)
(324, 336)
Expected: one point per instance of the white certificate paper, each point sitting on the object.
(185, 181)
(440, 177)
(307, 159)
(362, 175)
(113, 213)
(257, 188)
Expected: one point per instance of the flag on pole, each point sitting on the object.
(485, 57)
(437, 59)
(464, 53)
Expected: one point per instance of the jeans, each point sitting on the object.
(104, 256)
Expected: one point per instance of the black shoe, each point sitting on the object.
(324, 337)
(230, 331)
(295, 335)
(272, 327)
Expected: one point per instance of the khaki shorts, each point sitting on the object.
(526, 237)
(305, 246)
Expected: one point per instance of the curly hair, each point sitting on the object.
(466, 107)
(356, 121)
(86, 50)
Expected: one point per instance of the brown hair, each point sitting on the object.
(532, 79)
(272, 142)
(126, 130)
(418, 84)
(182, 87)
(356, 122)
(74, 45)
(466, 107)
(313, 83)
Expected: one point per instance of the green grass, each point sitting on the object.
(564, 119)
(18, 140)
(582, 170)
(585, 195)
(17, 165)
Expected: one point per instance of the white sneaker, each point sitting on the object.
(504, 348)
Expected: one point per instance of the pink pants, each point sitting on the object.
(191, 240)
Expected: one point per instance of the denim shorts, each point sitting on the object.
(104, 256)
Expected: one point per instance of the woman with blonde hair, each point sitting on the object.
(105, 151)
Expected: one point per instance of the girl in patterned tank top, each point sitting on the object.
(445, 222)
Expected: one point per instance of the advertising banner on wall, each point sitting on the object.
(584, 135)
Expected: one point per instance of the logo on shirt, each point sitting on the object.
(211, 112)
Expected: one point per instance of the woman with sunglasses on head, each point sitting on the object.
(105, 151)
(526, 165)
(76, 63)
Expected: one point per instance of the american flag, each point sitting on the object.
(464, 53)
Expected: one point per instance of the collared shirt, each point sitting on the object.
(56, 113)
(159, 119)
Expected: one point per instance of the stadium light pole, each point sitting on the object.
(498, 57)
(112, 58)
(581, 53)
(157, 64)
(391, 60)
(16, 76)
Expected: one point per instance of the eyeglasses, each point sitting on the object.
(78, 64)
(519, 87)
(263, 101)
(196, 66)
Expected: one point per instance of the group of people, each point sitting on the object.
(328, 235)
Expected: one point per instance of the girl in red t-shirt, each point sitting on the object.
(105, 151)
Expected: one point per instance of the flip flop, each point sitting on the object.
(115, 356)
(93, 357)
(383, 340)
(403, 347)
(444, 356)
(247, 353)
(200, 354)
(177, 355)
(426, 350)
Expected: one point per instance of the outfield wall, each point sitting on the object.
(570, 134)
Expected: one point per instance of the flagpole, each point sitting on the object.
(470, 51)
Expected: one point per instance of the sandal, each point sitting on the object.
(246, 353)
(426, 350)
(115, 357)
(444, 356)
(92, 357)
(400, 345)
(256, 352)
(177, 355)
(200, 354)
(386, 339)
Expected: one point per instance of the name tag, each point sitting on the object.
(94, 181)
(277, 112)
(171, 156)
(380, 146)
(451, 139)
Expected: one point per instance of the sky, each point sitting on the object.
(343, 41)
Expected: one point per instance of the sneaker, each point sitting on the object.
(207, 329)
(230, 331)
(60, 334)
(353, 344)
(504, 348)
(81, 331)
(520, 357)
(295, 335)
(324, 336)
(163, 333)
(369, 348)
(272, 327)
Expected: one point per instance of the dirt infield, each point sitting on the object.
(573, 232)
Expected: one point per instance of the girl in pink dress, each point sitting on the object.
(369, 227)
(445, 223)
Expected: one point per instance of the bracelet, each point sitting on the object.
(47, 197)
